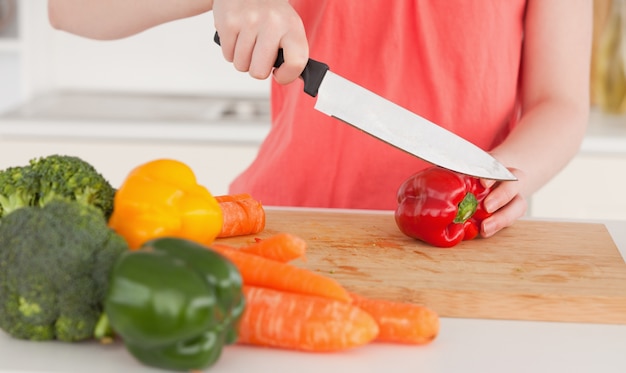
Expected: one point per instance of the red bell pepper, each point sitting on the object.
(441, 207)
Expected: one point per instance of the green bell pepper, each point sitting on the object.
(175, 303)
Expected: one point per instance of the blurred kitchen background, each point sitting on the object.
(167, 92)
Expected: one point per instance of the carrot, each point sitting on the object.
(242, 215)
(400, 322)
(274, 318)
(259, 271)
(283, 247)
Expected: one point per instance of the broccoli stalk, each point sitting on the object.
(55, 263)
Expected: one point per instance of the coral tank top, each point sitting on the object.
(455, 62)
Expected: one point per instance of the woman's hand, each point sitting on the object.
(252, 31)
(505, 202)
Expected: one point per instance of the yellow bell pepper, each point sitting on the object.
(162, 198)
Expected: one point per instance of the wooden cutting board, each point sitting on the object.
(534, 270)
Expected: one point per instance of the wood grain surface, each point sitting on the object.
(534, 270)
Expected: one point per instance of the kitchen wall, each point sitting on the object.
(178, 57)
(155, 68)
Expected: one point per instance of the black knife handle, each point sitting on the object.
(312, 75)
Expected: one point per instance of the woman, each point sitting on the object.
(510, 76)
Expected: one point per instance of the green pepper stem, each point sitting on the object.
(467, 208)
(103, 330)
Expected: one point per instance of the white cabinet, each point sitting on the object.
(215, 164)
(10, 50)
(592, 186)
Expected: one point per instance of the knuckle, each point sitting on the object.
(227, 24)
(523, 205)
(241, 66)
(258, 74)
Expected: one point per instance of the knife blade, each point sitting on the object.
(347, 101)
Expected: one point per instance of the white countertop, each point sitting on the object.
(463, 345)
(147, 117)
(606, 134)
(139, 117)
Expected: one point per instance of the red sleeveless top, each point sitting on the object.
(455, 62)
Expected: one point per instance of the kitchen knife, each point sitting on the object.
(393, 124)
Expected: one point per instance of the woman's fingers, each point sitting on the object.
(505, 202)
(252, 32)
(504, 217)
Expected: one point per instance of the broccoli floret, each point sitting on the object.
(55, 263)
(72, 178)
(18, 188)
(55, 176)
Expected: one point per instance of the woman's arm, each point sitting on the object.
(555, 104)
(115, 19)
